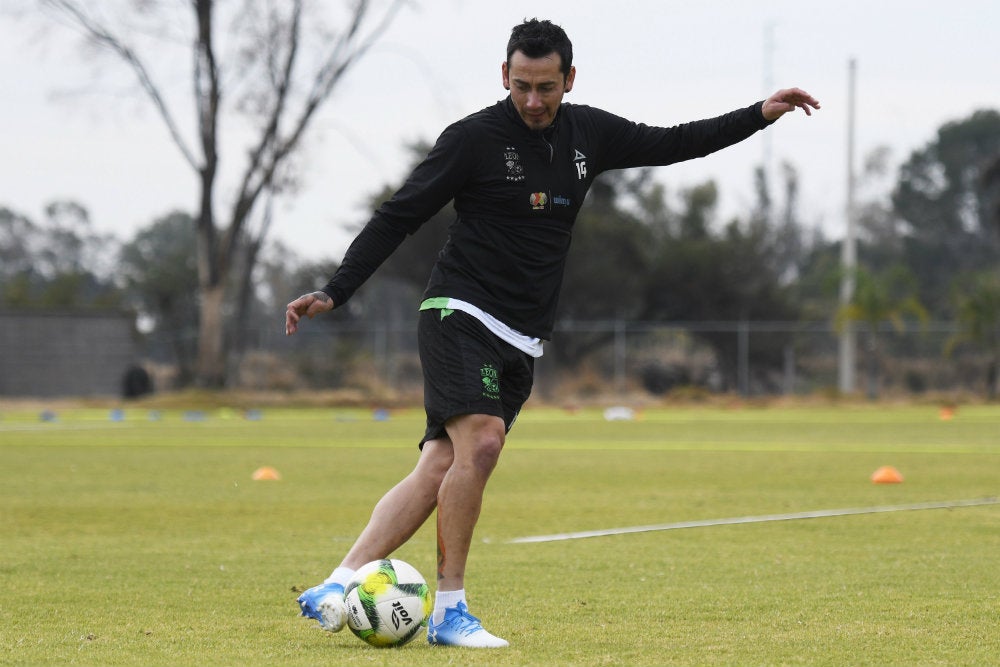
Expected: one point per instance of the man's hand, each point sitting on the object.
(787, 99)
(309, 305)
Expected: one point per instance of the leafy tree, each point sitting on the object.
(18, 237)
(606, 269)
(159, 273)
(886, 296)
(977, 298)
(259, 70)
(733, 275)
(724, 279)
(944, 200)
(785, 231)
(879, 228)
(60, 262)
(991, 185)
(879, 236)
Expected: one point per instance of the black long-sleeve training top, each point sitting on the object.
(517, 192)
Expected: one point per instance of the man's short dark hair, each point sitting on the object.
(537, 39)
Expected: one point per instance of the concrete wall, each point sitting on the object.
(64, 354)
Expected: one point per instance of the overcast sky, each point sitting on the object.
(920, 63)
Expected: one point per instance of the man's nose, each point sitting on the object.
(534, 100)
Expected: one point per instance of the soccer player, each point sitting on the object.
(518, 172)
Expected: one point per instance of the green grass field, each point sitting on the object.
(145, 541)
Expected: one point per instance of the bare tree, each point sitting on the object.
(280, 67)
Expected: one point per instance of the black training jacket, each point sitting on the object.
(517, 193)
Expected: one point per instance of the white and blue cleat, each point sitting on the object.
(325, 603)
(460, 628)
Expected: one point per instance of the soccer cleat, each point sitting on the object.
(460, 628)
(325, 603)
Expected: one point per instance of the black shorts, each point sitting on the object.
(469, 370)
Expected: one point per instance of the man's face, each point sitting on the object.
(536, 86)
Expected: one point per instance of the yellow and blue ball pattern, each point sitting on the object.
(388, 603)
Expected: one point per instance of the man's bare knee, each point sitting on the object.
(435, 459)
(478, 440)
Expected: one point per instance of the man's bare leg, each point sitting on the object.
(396, 517)
(477, 441)
(404, 508)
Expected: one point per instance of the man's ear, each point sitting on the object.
(570, 78)
(505, 75)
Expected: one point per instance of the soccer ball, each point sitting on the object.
(388, 603)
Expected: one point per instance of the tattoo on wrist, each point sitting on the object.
(322, 296)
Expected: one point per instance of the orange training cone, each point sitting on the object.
(266, 473)
(886, 475)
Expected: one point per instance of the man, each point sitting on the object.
(518, 172)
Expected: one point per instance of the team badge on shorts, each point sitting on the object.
(491, 382)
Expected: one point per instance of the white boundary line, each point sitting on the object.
(815, 514)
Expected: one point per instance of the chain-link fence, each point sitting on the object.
(617, 356)
(378, 361)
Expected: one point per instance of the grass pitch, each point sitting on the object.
(141, 539)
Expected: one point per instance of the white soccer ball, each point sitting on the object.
(388, 603)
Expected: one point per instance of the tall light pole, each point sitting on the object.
(848, 251)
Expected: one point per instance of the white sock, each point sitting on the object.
(445, 599)
(340, 576)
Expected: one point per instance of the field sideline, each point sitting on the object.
(138, 537)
